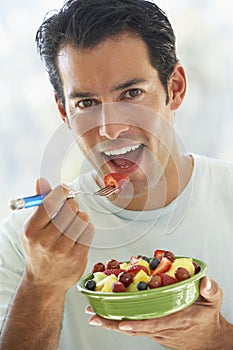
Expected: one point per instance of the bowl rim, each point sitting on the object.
(162, 289)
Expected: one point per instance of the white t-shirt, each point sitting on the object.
(198, 223)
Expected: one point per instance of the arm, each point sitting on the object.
(55, 242)
(34, 319)
(199, 327)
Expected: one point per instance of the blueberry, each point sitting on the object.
(146, 259)
(90, 284)
(142, 285)
(154, 263)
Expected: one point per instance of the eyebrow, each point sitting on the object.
(127, 84)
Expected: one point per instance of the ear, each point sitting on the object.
(62, 111)
(177, 86)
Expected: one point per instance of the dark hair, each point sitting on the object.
(85, 23)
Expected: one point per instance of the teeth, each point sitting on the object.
(123, 150)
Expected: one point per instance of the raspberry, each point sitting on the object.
(115, 272)
(166, 279)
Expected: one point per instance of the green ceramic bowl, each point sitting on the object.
(141, 305)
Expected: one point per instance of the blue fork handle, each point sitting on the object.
(33, 201)
(27, 202)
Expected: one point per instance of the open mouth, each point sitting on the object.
(125, 159)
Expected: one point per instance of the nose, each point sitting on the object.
(111, 123)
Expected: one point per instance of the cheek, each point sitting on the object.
(87, 142)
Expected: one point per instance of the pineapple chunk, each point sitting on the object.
(105, 285)
(141, 276)
(98, 276)
(187, 263)
(143, 263)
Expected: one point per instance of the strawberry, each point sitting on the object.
(163, 266)
(117, 180)
(134, 269)
(134, 259)
(166, 279)
(115, 272)
(158, 253)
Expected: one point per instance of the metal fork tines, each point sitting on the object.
(104, 192)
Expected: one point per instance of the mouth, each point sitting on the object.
(125, 159)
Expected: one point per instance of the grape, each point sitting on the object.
(154, 281)
(112, 264)
(169, 255)
(182, 274)
(126, 278)
(196, 266)
(118, 287)
(98, 267)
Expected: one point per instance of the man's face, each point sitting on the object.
(116, 108)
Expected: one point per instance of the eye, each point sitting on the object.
(133, 93)
(83, 104)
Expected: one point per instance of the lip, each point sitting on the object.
(119, 145)
(132, 165)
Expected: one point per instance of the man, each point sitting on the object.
(117, 83)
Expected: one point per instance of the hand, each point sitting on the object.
(56, 241)
(199, 327)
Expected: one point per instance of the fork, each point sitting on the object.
(33, 201)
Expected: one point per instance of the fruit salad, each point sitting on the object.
(116, 180)
(141, 272)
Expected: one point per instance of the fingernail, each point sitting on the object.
(95, 322)
(208, 285)
(125, 327)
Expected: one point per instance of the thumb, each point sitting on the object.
(42, 186)
(210, 290)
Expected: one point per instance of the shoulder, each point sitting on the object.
(212, 166)
(215, 175)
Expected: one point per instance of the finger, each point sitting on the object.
(77, 226)
(210, 290)
(87, 236)
(42, 186)
(113, 325)
(135, 326)
(66, 215)
(89, 310)
(102, 322)
(49, 207)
